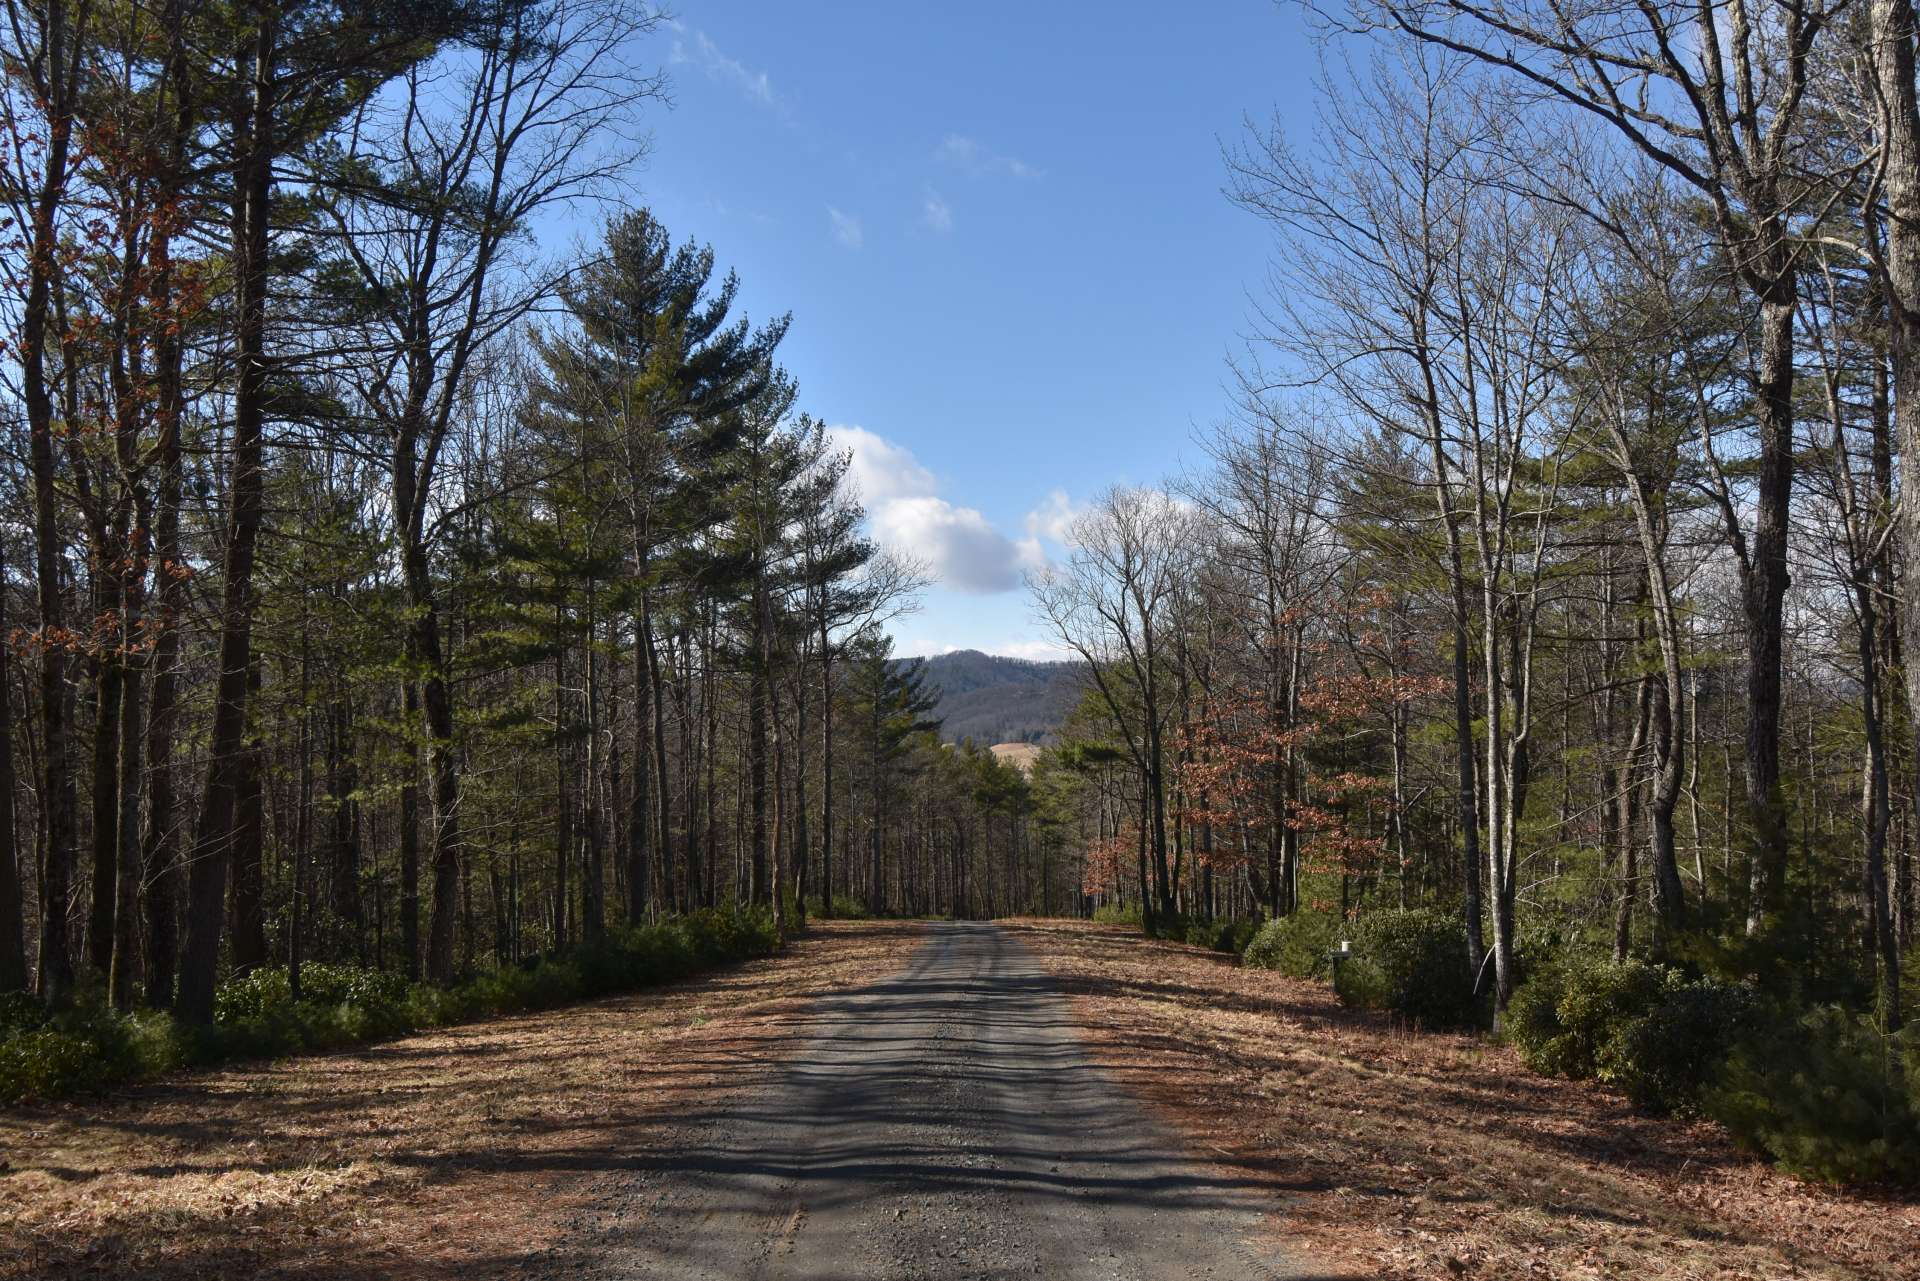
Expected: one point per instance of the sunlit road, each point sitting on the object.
(939, 1123)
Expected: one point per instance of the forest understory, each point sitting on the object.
(1417, 1155)
(499, 1148)
(474, 1151)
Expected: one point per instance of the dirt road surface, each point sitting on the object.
(939, 1123)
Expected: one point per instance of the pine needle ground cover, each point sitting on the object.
(1419, 1155)
(457, 1153)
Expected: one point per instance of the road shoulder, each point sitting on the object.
(1415, 1155)
(461, 1153)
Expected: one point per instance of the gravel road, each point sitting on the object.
(942, 1122)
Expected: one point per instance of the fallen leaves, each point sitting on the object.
(1439, 1156)
(444, 1155)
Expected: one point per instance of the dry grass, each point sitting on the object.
(1417, 1155)
(454, 1154)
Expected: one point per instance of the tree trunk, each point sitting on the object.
(410, 828)
(1763, 592)
(1891, 34)
(593, 914)
(159, 845)
(757, 883)
(656, 760)
(640, 811)
(1625, 789)
(826, 774)
(109, 686)
(249, 855)
(13, 939)
(124, 964)
(227, 750)
(160, 850)
(57, 784)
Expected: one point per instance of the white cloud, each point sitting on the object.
(1038, 651)
(1053, 518)
(975, 159)
(935, 212)
(924, 649)
(846, 228)
(958, 545)
(1048, 525)
(707, 56)
(881, 471)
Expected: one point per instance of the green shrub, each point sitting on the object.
(845, 908)
(21, 1012)
(1222, 933)
(1828, 1096)
(1598, 1002)
(1296, 945)
(267, 992)
(1565, 1016)
(1666, 1059)
(1411, 962)
(80, 1050)
(350, 984)
(43, 1063)
(1531, 1021)
(45, 1056)
(253, 996)
(1237, 935)
(1646, 1029)
(1117, 914)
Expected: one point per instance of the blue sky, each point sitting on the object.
(1014, 278)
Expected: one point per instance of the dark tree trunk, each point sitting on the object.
(160, 849)
(342, 781)
(640, 811)
(58, 793)
(410, 831)
(1891, 36)
(593, 899)
(1626, 790)
(444, 771)
(656, 760)
(758, 886)
(563, 801)
(228, 749)
(160, 843)
(801, 853)
(1762, 596)
(124, 965)
(13, 939)
(826, 774)
(109, 685)
(249, 857)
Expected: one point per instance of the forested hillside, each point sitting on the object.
(992, 699)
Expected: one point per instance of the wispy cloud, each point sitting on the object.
(846, 228)
(977, 160)
(702, 52)
(1053, 518)
(1048, 525)
(935, 213)
(1039, 651)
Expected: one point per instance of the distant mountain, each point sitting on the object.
(992, 700)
